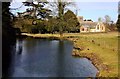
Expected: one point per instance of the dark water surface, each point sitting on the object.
(48, 58)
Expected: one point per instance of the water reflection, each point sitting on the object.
(49, 58)
(61, 59)
(19, 46)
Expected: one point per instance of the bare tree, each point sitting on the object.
(60, 6)
(107, 19)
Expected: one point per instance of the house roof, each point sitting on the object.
(88, 24)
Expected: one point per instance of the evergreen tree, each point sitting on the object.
(38, 9)
(70, 19)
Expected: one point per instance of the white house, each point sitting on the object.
(90, 26)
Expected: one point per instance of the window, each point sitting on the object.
(82, 29)
(102, 27)
(98, 27)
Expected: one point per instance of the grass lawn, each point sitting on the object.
(100, 48)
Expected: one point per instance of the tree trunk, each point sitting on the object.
(60, 14)
(61, 35)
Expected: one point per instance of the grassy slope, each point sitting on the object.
(103, 50)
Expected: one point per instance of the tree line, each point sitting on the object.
(47, 22)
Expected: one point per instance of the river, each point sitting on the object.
(48, 58)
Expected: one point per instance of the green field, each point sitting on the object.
(100, 48)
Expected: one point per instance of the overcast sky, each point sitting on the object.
(89, 10)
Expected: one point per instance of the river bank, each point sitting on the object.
(99, 48)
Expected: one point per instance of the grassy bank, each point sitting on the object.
(100, 48)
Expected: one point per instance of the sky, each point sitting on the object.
(94, 10)
(89, 10)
